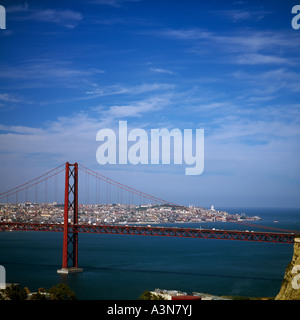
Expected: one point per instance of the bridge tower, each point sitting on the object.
(70, 238)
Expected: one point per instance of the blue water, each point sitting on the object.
(122, 266)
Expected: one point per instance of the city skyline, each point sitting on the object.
(230, 68)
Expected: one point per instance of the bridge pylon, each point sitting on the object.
(70, 239)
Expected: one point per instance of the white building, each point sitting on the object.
(168, 294)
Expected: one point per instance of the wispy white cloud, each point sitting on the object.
(271, 81)
(146, 90)
(251, 40)
(255, 58)
(256, 40)
(20, 130)
(100, 91)
(46, 72)
(139, 108)
(161, 70)
(6, 97)
(242, 15)
(66, 18)
(186, 34)
(73, 135)
(242, 48)
(112, 3)
(17, 8)
(233, 144)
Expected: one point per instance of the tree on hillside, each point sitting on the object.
(15, 292)
(147, 295)
(62, 292)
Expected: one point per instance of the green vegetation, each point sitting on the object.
(147, 295)
(58, 292)
(13, 292)
(62, 292)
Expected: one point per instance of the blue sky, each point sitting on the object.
(71, 68)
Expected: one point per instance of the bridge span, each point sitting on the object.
(71, 226)
(243, 235)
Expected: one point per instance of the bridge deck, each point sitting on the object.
(155, 231)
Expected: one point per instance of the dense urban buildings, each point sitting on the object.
(116, 213)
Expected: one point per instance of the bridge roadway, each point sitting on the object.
(154, 231)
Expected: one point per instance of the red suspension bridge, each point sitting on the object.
(70, 226)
